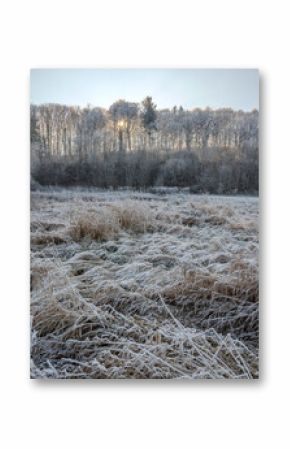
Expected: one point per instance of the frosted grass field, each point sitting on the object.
(143, 285)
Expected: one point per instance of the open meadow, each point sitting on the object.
(154, 285)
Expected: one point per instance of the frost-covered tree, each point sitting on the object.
(208, 150)
(124, 115)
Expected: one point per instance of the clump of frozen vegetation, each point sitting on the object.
(140, 285)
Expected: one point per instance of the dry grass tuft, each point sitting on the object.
(98, 225)
(232, 307)
(133, 216)
(47, 238)
(107, 222)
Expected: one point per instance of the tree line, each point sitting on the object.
(138, 146)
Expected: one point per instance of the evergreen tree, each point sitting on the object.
(149, 115)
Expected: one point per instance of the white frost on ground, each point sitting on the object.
(143, 285)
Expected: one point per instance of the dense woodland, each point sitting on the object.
(138, 146)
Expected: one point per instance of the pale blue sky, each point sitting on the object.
(216, 88)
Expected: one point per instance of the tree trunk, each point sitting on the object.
(120, 138)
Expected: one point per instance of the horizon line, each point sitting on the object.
(92, 106)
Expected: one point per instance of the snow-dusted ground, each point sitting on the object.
(128, 284)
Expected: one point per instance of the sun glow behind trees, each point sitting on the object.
(66, 130)
(139, 145)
